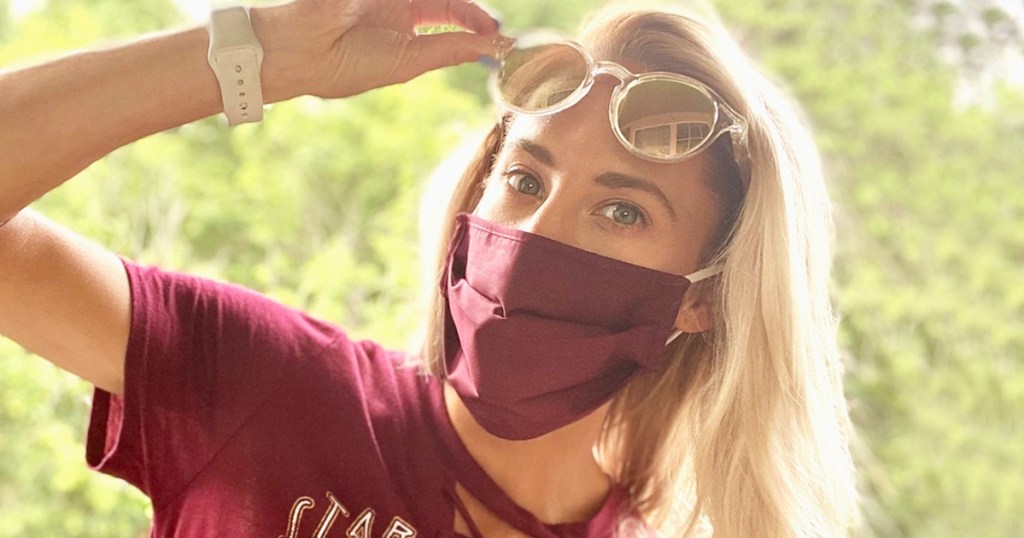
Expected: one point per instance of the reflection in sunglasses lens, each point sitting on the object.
(537, 78)
(666, 118)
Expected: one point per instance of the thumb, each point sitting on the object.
(433, 51)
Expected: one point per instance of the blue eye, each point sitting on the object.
(524, 183)
(624, 214)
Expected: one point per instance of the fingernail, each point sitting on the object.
(493, 13)
(490, 62)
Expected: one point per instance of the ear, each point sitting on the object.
(695, 315)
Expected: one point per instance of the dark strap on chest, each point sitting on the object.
(464, 512)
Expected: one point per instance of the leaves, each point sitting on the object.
(929, 204)
(317, 207)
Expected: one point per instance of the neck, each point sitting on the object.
(554, 476)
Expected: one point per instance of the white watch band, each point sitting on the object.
(235, 57)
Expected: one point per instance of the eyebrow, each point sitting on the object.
(538, 151)
(615, 180)
(611, 180)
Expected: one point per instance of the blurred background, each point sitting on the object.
(918, 107)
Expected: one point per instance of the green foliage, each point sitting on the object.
(317, 207)
(5, 19)
(45, 488)
(930, 248)
(68, 24)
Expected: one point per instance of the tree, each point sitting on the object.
(311, 206)
(927, 194)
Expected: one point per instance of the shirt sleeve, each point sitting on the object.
(202, 358)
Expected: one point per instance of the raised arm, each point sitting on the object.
(67, 299)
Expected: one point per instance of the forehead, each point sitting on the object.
(581, 141)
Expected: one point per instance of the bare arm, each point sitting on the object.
(61, 296)
(67, 299)
(60, 117)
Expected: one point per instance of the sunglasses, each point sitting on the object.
(659, 116)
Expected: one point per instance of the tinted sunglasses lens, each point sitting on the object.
(666, 118)
(541, 77)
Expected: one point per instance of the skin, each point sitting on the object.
(67, 299)
(567, 177)
(546, 181)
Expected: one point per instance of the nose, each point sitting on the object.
(557, 217)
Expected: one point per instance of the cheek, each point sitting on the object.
(660, 252)
(489, 207)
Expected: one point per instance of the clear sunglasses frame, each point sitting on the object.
(726, 120)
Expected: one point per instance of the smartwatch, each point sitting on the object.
(235, 57)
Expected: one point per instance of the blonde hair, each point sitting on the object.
(746, 429)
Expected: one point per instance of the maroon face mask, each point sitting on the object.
(538, 334)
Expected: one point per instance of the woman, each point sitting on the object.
(581, 386)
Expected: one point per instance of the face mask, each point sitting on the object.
(539, 334)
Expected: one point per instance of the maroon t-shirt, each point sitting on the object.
(242, 417)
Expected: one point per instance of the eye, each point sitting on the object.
(624, 214)
(524, 183)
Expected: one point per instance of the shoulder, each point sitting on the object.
(161, 297)
(229, 319)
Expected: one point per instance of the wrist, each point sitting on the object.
(282, 75)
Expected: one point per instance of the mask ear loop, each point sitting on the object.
(695, 277)
(705, 273)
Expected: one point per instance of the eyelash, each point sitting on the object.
(642, 219)
(520, 173)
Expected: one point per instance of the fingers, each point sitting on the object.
(464, 13)
(428, 52)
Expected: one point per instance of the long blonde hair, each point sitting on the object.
(746, 430)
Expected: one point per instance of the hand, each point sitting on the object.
(338, 48)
